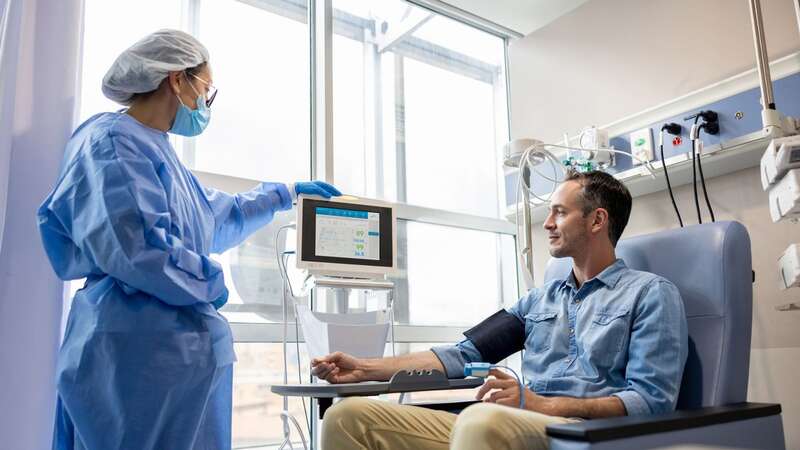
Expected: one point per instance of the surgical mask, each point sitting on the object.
(191, 122)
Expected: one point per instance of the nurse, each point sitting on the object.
(146, 361)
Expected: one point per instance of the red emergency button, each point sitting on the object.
(676, 141)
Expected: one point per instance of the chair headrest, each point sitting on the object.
(703, 261)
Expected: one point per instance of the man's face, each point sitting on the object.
(568, 231)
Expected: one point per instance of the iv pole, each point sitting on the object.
(773, 121)
(797, 12)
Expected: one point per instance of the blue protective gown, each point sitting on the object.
(146, 361)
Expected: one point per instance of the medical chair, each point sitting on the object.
(712, 268)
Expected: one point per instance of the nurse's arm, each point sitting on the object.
(237, 216)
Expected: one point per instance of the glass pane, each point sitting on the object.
(348, 116)
(419, 107)
(260, 118)
(512, 291)
(453, 276)
(110, 27)
(252, 276)
(451, 162)
(442, 30)
(256, 410)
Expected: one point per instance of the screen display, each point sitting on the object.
(347, 233)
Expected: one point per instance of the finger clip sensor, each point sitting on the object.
(481, 370)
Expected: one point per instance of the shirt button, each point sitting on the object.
(571, 330)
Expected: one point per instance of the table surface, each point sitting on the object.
(325, 390)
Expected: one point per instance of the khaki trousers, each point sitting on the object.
(360, 423)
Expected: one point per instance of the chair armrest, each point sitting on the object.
(624, 427)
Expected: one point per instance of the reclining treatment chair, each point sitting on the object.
(711, 266)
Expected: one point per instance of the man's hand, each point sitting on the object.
(505, 391)
(338, 367)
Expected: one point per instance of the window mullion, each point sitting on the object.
(322, 89)
(400, 127)
(373, 121)
(190, 21)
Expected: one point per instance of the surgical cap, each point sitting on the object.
(143, 66)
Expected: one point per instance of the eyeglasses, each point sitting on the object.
(212, 90)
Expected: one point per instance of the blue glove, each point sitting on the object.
(320, 188)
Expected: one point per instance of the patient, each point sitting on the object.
(606, 341)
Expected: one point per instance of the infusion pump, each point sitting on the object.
(780, 177)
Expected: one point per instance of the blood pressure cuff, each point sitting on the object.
(499, 336)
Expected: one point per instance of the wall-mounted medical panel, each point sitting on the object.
(738, 145)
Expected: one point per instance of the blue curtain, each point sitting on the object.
(39, 52)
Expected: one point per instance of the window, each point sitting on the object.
(419, 116)
(447, 163)
(453, 275)
(260, 120)
(256, 410)
(105, 36)
(419, 107)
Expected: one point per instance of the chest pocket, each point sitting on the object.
(539, 328)
(609, 333)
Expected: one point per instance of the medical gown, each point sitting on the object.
(146, 361)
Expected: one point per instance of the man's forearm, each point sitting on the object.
(381, 369)
(588, 408)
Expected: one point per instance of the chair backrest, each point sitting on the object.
(712, 267)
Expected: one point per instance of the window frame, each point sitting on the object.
(323, 23)
(273, 332)
(322, 26)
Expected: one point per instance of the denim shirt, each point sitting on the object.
(623, 333)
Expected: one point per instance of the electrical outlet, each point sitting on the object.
(642, 146)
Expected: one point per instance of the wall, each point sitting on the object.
(612, 58)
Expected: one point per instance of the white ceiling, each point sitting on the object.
(522, 16)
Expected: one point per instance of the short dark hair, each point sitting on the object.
(196, 69)
(602, 190)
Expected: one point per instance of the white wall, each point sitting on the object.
(612, 58)
(522, 16)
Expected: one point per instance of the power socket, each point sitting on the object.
(642, 146)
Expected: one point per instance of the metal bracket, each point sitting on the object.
(411, 22)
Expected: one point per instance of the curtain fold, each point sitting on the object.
(41, 41)
(10, 14)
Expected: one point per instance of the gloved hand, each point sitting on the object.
(315, 187)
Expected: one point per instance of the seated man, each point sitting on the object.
(606, 341)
